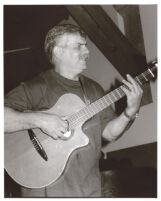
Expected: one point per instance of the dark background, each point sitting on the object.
(126, 173)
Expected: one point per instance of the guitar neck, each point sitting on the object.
(107, 100)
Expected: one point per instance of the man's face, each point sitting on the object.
(74, 52)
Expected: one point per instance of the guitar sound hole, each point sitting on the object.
(67, 135)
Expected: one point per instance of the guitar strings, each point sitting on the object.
(103, 102)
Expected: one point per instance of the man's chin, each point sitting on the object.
(83, 67)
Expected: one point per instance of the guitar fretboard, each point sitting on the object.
(107, 100)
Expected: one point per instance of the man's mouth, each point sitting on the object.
(84, 58)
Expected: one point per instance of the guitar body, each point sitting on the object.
(25, 165)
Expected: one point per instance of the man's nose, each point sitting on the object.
(86, 50)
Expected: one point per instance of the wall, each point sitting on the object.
(144, 129)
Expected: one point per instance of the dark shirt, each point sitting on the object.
(81, 177)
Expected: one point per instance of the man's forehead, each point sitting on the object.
(70, 38)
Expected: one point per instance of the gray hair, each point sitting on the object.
(56, 31)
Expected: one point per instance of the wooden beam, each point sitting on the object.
(132, 25)
(108, 38)
(134, 33)
(111, 42)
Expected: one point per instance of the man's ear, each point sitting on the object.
(57, 51)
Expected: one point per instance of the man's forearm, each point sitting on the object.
(50, 124)
(116, 127)
(15, 120)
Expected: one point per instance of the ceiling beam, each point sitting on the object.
(109, 39)
(134, 33)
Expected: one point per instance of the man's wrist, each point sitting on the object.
(33, 119)
(130, 117)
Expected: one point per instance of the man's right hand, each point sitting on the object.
(52, 125)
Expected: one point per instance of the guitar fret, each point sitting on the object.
(106, 101)
(114, 95)
(85, 110)
(144, 76)
(109, 97)
(142, 79)
(121, 91)
(78, 121)
(97, 106)
(89, 111)
(102, 105)
(138, 80)
(151, 72)
(85, 113)
(102, 102)
(92, 109)
(117, 90)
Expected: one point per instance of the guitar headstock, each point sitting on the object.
(153, 67)
(149, 74)
(153, 63)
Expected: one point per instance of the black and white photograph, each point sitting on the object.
(80, 100)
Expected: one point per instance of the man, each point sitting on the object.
(66, 48)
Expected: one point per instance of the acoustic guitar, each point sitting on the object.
(35, 160)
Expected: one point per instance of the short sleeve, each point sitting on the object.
(17, 99)
(26, 96)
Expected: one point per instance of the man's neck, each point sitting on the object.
(67, 75)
